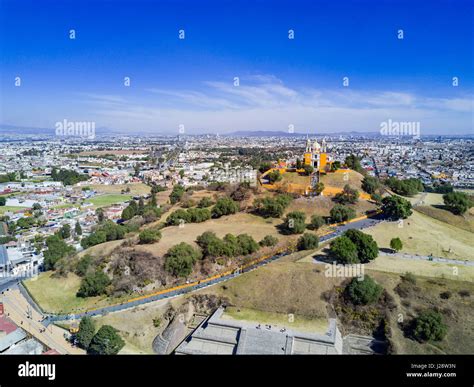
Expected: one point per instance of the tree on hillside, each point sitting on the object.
(308, 242)
(204, 202)
(294, 222)
(106, 342)
(149, 235)
(316, 222)
(308, 169)
(396, 244)
(224, 206)
(340, 213)
(364, 292)
(86, 332)
(347, 196)
(273, 176)
(269, 241)
(272, 207)
(100, 215)
(353, 162)
(176, 194)
(370, 184)
(93, 284)
(396, 207)
(56, 249)
(429, 326)
(344, 250)
(457, 202)
(78, 228)
(180, 259)
(65, 231)
(367, 248)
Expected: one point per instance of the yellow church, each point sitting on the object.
(316, 155)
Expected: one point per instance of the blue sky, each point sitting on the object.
(282, 82)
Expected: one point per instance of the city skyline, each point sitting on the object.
(240, 71)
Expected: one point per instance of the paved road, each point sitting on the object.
(429, 258)
(361, 224)
(23, 305)
(19, 310)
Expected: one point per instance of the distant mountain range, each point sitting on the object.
(13, 130)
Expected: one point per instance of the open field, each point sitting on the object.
(239, 223)
(465, 222)
(108, 199)
(135, 188)
(428, 199)
(58, 295)
(390, 264)
(457, 313)
(341, 178)
(294, 178)
(4, 209)
(135, 326)
(423, 235)
(281, 287)
(321, 205)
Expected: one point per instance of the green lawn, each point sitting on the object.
(108, 200)
(4, 209)
(58, 295)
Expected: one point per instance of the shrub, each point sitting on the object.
(364, 292)
(340, 213)
(106, 342)
(316, 222)
(93, 284)
(457, 202)
(294, 223)
(396, 244)
(347, 196)
(149, 236)
(429, 326)
(269, 241)
(204, 202)
(344, 250)
(224, 206)
(396, 207)
(308, 242)
(180, 259)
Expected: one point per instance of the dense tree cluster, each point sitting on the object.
(294, 223)
(353, 162)
(308, 242)
(229, 246)
(268, 241)
(370, 184)
(396, 207)
(340, 213)
(149, 235)
(107, 231)
(273, 176)
(224, 206)
(93, 284)
(429, 326)
(347, 196)
(406, 187)
(363, 292)
(56, 249)
(272, 207)
(176, 194)
(457, 202)
(191, 215)
(106, 342)
(181, 258)
(354, 246)
(68, 177)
